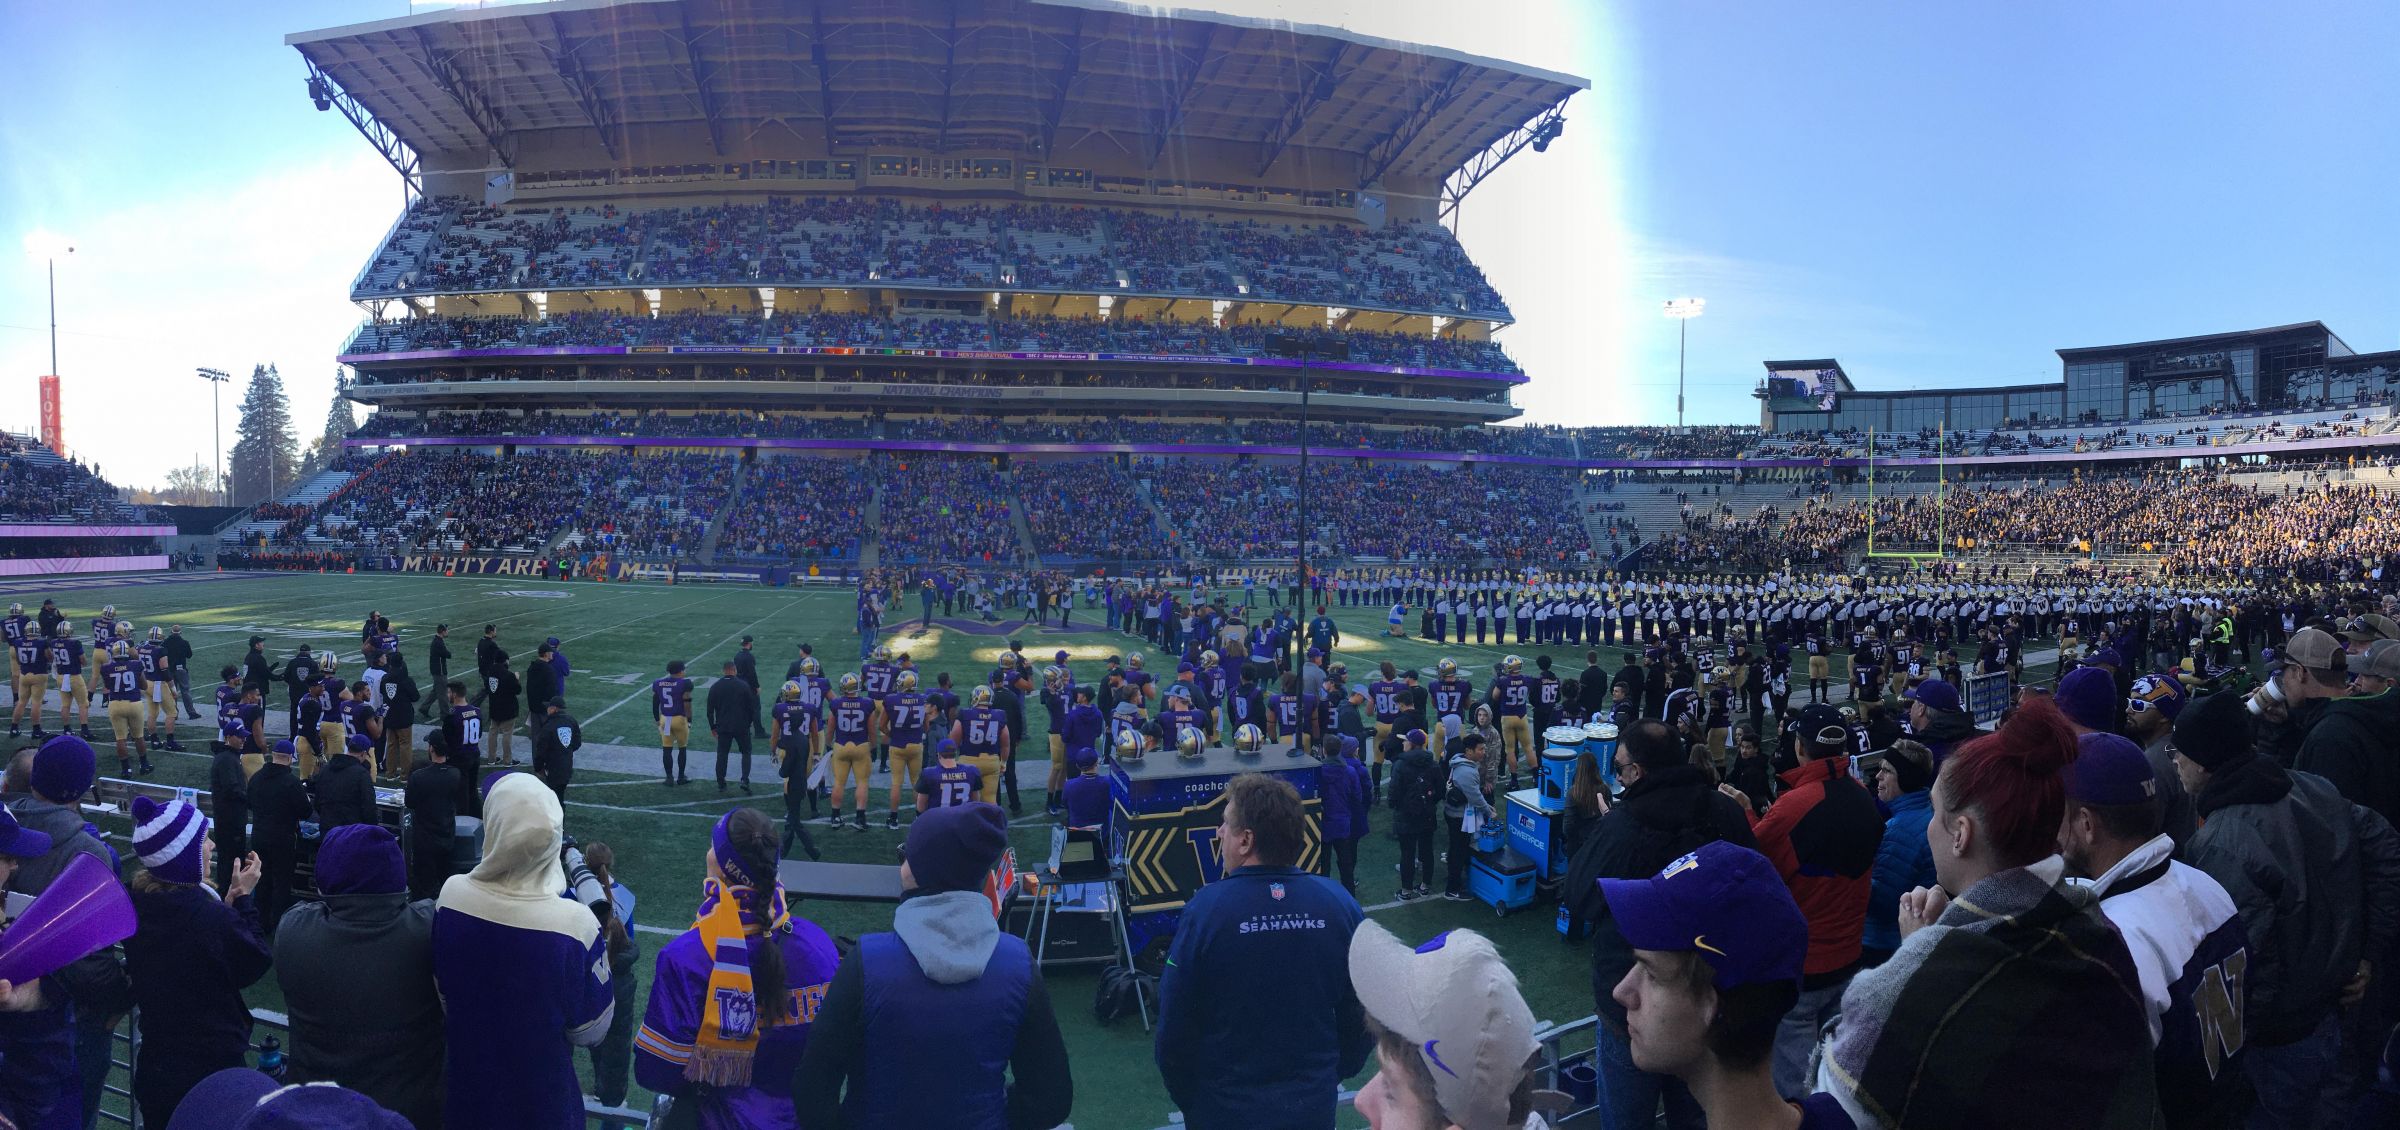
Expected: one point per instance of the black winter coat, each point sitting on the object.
(278, 803)
(345, 792)
(379, 1035)
(1666, 814)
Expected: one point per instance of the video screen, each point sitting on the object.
(1803, 390)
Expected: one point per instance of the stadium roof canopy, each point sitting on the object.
(1027, 77)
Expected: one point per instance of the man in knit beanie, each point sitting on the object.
(2088, 697)
(381, 1035)
(946, 974)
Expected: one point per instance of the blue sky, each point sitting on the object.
(1936, 194)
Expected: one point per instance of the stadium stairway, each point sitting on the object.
(870, 543)
(311, 493)
(1158, 514)
(1018, 522)
(716, 525)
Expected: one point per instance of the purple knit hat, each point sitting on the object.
(167, 838)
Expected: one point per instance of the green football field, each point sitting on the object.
(619, 636)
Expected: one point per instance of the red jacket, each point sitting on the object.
(1822, 835)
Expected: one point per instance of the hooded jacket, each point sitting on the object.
(1823, 834)
(1944, 731)
(2315, 877)
(523, 972)
(945, 977)
(2355, 744)
(1667, 813)
(379, 1035)
(345, 792)
(1904, 862)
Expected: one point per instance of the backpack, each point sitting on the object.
(1121, 992)
(1415, 791)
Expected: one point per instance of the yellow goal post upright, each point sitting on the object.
(1941, 508)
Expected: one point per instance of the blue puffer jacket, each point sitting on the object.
(1904, 863)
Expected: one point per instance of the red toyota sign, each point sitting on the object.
(50, 427)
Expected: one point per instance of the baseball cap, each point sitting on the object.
(2110, 770)
(2087, 696)
(2370, 627)
(1725, 902)
(2313, 648)
(1936, 694)
(1821, 723)
(1455, 999)
(240, 1098)
(18, 840)
(2105, 657)
(2383, 660)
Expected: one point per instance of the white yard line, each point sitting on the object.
(640, 691)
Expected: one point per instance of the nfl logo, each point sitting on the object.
(1275, 891)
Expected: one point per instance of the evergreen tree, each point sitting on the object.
(266, 457)
(338, 425)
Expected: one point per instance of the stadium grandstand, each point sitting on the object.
(1069, 284)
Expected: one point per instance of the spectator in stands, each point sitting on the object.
(356, 968)
(1822, 833)
(728, 1035)
(1666, 810)
(523, 972)
(1934, 1037)
(946, 977)
(1903, 782)
(37, 1043)
(2150, 714)
(2179, 925)
(1260, 1027)
(612, 1057)
(1718, 946)
(2353, 741)
(1449, 1001)
(191, 955)
(59, 773)
(2317, 880)
(1937, 719)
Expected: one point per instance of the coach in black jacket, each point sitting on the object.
(437, 667)
(556, 737)
(541, 679)
(278, 803)
(345, 789)
(732, 710)
(255, 670)
(745, 668)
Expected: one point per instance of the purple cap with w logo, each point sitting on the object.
(1724, 902)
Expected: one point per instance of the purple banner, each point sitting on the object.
(938, 354)
(2045, 457)
(63, 530)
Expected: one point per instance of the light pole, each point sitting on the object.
(216, 379)
(49, 246)
(1683, 310)
(1305, 350)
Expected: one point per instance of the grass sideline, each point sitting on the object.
(619, 636)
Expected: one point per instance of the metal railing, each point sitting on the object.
(123, 1040)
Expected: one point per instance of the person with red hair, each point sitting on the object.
(2012, 1001)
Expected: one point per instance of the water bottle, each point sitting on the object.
(270, 1059)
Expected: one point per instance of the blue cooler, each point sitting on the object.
(1560, 745)
(1502, 878)
(1533, 832)
(1600, 740)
